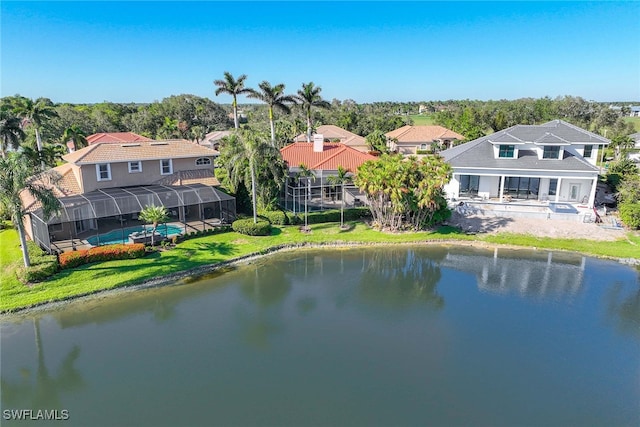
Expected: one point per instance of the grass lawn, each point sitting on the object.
(422, 119)
(223, 247)
(635, 121)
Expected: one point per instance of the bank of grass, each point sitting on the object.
(218, 248)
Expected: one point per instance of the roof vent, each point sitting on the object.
(159, 143)
(130, 145)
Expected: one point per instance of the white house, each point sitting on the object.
(554, 162)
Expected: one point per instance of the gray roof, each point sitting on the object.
(479, 152)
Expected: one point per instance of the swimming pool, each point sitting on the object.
(122, 235)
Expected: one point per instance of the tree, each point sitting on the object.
(307, 173)
(251, 161)
(36, 114)
(343, 177)
(10, 131)
(233, 87)
(377, 141)
(621, 144)
(76, 135)
(275, 98)
(309, 97)
(16, 176)
(155, 215)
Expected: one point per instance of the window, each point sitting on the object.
(553, 186)
(423, 146)
(103, 171)
(135, 167)
(588, 151)
(521, 187)
(551, 152)
(469, 185)
(506, 151)
(203, 161)
(166, 167)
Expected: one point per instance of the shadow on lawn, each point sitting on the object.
(221, 248)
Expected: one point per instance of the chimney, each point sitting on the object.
(318, 143)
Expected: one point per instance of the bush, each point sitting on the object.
(42, 266)
(101, 253)
(333, 215)
(276, 217)
(246, 226)
(630, 214)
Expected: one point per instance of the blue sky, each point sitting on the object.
(366, 51)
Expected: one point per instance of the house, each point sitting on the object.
(634, 154)
(634, 111)
(553, 162)
(323, 159)
(421, 139)
(109, 183)
(212, 139)
(110, 137)
(332, 133)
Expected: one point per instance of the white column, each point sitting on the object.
(592, 195)
(502, 178)
(558, 187)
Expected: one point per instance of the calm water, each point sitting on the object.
(357, 337)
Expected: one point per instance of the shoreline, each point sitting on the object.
(248, 258)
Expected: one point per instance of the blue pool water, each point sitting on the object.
(122, 236)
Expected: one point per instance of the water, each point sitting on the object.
(122, 236)
(357, 337)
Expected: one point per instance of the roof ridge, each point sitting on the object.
(341, 148)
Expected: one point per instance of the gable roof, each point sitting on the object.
(116, 137)
(333, 155)
(66, 185)
(409, 133)
(335, 132)
(141, 150)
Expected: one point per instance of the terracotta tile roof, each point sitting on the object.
(333, 155)
(116, 137)
(423, 134)
(197, 176)
(67, 185)
(141, 150)
(332, 132)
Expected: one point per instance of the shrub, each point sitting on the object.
(101, 253)
(246, 226)
(276, 217)
(630, 214)
(42, 266)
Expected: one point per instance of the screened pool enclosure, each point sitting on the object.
(192, 206)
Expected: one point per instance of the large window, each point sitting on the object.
(588, 151)
(203, 161)
(506, 151)
(551, 152)
(469, 185)
(103, 171)
(553, 186)
(521, 187)
(166, 167)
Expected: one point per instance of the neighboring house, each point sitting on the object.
(421, 139)
(323, 159)
(332, 133)
(212, 139)
(634, 111)
(106, 181)
(110, 137)
(555, 162)
(634, 154)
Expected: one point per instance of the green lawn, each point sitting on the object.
(223, 247)
(422, 119)
(635, 121)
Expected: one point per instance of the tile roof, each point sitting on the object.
(141, 150)
(66, 185)
(409, 133)
(116, 137)
(334, 132)
(196, 176)
(333, 155)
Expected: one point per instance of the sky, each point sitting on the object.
(87, 52)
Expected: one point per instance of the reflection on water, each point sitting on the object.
(385, 336)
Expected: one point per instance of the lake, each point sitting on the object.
(401, 336)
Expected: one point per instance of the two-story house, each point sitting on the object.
(105, 185)
(554, 162)
(410, 140)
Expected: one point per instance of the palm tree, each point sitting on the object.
(75, 134)
(152, 214)
(232, 87)
(36, 114)
(309, 97)
(274, 97)
(16, 176)
(340, 179)
(10, 131)
(307, 173)
(248, 158)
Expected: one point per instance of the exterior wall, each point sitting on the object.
(489, 186)
(565, 189)
(120, 176)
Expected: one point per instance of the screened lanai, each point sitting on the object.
(85, 217)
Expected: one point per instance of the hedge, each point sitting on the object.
(333, 215)
(630, 214)
(101, 253)
(276, 217)
(247, 226)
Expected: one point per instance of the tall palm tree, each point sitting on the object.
(154, 215)
(307, 173)
(36, 114)
(10, 131)
(75, 134)
(275, 98)
(247, 158)
(16, 175)
(342, 178)
(233, 87)
(309, 97)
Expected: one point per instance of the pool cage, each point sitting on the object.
(193, 206)
(320, 194)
